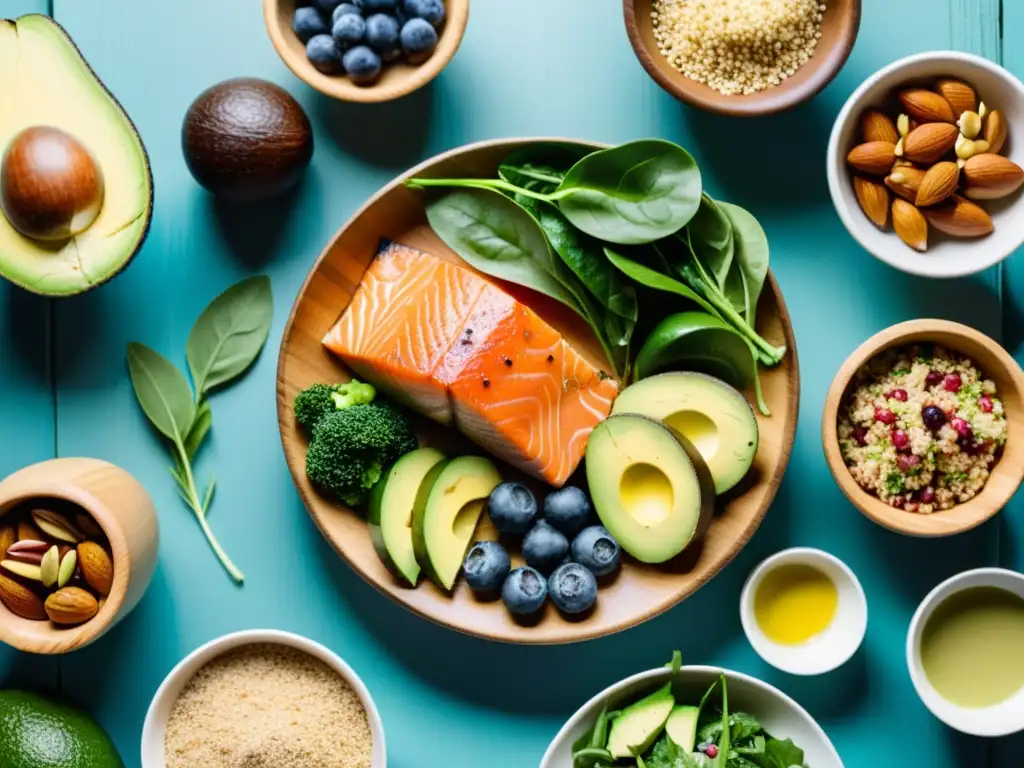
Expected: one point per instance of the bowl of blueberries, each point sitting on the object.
(366, 50)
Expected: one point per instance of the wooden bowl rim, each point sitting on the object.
(72, 638)
(575, 632)
(341, 88)
(985, 505)
(786, 96)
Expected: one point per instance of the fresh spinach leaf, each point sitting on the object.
(696, 341)
(637, 192)
(739, 761)
(540, 167)
(751, 254)
(229, 334)
(785, 753)
(162, 392)
(651, 278)
(710, 238)
(743, 727)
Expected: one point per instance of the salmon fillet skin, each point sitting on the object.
(447, 343)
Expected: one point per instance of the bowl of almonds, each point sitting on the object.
(78, 547)
(924, 164)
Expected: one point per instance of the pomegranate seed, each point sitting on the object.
(908, 462)
(899, 394)
(884, 415)
(933, 378)
(712, 751)
(900, 440)
(928, 495)
(985, 403)
(897, 502)
(952, 382)
(860, 435)
(961, 426)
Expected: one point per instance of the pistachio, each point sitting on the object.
(49, 566)
(25, 570)
(56, 526)
(67, 568)
(969, 124)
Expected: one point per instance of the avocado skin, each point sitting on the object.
(38, 732)
(144, 233)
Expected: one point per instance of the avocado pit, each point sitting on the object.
(51, 187)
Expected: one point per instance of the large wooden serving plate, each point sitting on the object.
(640, 591)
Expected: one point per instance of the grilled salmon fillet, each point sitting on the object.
(458, 349)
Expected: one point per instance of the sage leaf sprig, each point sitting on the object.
(225, 340)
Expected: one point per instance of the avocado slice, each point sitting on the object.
(681, 726)
(709, 413)
(649, 486)
(46, 82)
(638, 725)
(448, 506)
(391, 507)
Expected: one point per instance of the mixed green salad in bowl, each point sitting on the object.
(691, 717)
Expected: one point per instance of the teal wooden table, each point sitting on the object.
(531, 67)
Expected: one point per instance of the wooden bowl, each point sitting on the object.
(640, 591)
(1007, 473)
(396, 80)
(838, 32)
(121, 507)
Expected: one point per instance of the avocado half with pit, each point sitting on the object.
(76, 192)
(448, 506)
(649, 486)
(712, 415)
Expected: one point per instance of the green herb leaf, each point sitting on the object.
(751, 254)
(201, 424)
(162, 392)
(785, 753)
(229, 334)
(637, 192)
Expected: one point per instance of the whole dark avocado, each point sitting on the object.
(246, 139)
(38, 732)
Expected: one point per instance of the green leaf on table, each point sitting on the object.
(162, 392)
(637, 192)
(229, 334)
(751, 254)
(201, 424)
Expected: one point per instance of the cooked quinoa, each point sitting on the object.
(921, 428)
(737, 46)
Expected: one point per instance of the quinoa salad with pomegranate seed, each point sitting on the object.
(921, 428)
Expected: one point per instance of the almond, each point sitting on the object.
(939, 183)
(988, 177)
(910, 224)
(71, 605)
(905, 181)
(8, 536)
(926, 106)
(960, 218)
(996, 131)
(874, 200)
(960, 96)
(873, 157)
(20, 600)
(96, 566)
(877, 126)
(929, 142)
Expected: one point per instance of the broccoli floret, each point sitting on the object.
(315, 402)
(352, 447)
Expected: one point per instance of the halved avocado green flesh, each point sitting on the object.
(637, 726)
(649, 486)
(391, 508)
(448, 506)
(708, 412)
(45, 81)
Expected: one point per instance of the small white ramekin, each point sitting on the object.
(998, 720)
(168, 692)
(837, 643)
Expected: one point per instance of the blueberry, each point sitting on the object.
(544, 547)
(933, 417)
(595, 549)
(418, 40)
(524, 591)
(323, 54)
(382, 32)
(327, 6)
(573, 588)
(513, 508)
(307, 23)
(345, 9)
(431, 11)
(379, 6)
(486, 567)
(568, 509)
(362, 65)
(349, 30)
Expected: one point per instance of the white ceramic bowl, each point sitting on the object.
(836, 644)
(779, 714)
(945, 257)
(170, 689)
(999, 720)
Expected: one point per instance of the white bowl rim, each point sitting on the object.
(808, 556)
(832, 164)
(936, 704)
(220, 645)
(700, 669)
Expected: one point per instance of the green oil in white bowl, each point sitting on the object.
(971, 647)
